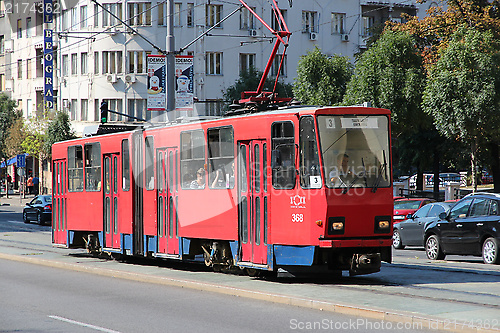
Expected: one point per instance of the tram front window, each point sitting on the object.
(355, 150)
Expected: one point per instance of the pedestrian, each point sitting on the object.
(29, 183)
(36, 182)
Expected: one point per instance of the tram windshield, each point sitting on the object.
(355, 150)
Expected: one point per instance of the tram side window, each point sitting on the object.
(192, 157)
(221, 157)
(283, 155)
(75, 169)
(150, 175)
(309, 160)
(125, 166)
(93, 167)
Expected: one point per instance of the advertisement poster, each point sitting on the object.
(157, 85)
(184, 86)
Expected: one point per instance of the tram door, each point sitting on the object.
(59, 202)
(111, 218)
(253, 201)
(168, 234)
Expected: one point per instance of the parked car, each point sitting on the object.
(410, 232)
(471, 227)
(403, 207)
(39, 209)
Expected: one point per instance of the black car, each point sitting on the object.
(39, 209)
(410, 232)
(471, 227)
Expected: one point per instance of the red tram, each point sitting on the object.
(280, 190)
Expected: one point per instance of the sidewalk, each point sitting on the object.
(15, 200)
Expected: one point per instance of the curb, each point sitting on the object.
(413, 320)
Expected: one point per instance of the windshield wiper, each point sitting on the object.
(355, 179)
(379, 177)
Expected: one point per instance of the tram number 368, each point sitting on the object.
(297, 218)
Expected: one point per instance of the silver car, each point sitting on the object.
(411, 231)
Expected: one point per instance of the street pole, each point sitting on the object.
(170, 49)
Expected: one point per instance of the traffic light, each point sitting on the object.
(104, 112)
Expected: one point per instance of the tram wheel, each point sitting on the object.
(253, 272)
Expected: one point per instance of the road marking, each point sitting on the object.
(97, 328)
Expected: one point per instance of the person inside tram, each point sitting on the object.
(219, 181)
(341, 172)
(199, 182)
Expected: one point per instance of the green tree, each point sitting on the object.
(249, 81)
(15, 137)
(8, 115)
(463, 92)
(390, 75)
(321, 80)
(59, 129)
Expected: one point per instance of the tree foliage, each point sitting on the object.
(59, 129)
(321, 80)
(33, 143)
(249, 81)
(15, 137)
(463, 92)
(8, 115)
(390, 75)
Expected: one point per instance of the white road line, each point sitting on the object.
(97, 328)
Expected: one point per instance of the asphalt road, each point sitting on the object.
(462, 293)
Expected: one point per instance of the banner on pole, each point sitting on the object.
(184, 86)
(157, 85)
(48, 56)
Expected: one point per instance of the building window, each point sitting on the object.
(112, 62)
(115, 105)
(20, 69)
(28, 27)
(96, 15)
(276, 65)
(221, 157)
(19, 29)
(162, 14)
(309, 21)
(2, 82)
(338, 23)
(83, 62)
(83, 17)
(368, 22)
(107, 18)
(139, 13)
(247, 20)
(65, 20)
(93, 167)
(73, 108)
(275, 24)
(137, 61)
(214, 63)
(74, 18)
(75, 169)
(213, 15)
(190, 15)
(96, 62)
(28, 68)
(136, 108)
(192, 156)
(65, 60)
(2, 44)
(247, 62)
(74, 64)
(84, 109)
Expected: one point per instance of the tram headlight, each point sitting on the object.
(382, 224)
(338, 226)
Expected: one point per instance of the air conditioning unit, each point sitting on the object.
(252, 33)
(9, 46)
(113, 31)
(111, 78)
(344, 37)
(130, 78)
(313, 36)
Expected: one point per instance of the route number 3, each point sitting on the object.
(297, 218)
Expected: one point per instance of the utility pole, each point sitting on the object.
(170, 49)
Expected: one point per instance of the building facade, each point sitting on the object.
(97, 57)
